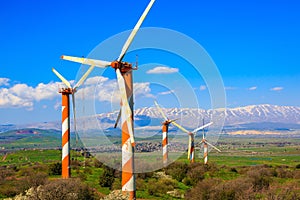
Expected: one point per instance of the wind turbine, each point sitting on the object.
(191, 134)
(66, 172)
(205, 146)
(165, 129)
(124, 79)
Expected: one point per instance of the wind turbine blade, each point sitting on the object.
(126, 111)
(118, 118)
(87, 61)
(213, 147)
(180, 127)
(173, 120)
(160, 110)
(134, 31)
(202, 127)
(82, 79)
(67, 83)
(74, 116)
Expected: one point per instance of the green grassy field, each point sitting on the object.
(238, 154)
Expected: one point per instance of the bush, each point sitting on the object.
(284, 173)
(36, 179)
(69, 189)
(55, 169)
(97, 163)
(107, 178)
(240, 188)
(233, 169)
(202, 190)
(161, 186)
(140, 184)
(145, 175)
(82, 176)
(177, 170)
(5, 173)
(195, 173)
(260, 178)
(116, 184)
(10, 189)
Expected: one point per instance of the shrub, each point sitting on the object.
(195, 173)
(177, 170)
(97, 163)
(10, 189)
(260, 178)
(36, 179)
(161, 186)
(55, 169)
(145, 175)
(284, 173)
(116, 184)
(69, 189)
(82, 176)
(140, 184)
(107, 178)
(240, 189)
(4, 173)
(233, 169)
(202, 189)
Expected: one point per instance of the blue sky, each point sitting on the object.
(254, 44)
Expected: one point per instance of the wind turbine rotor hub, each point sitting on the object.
(123, 66)
(67, 90)
(167, 122)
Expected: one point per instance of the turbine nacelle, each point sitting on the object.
(67, 90)
(124, 67)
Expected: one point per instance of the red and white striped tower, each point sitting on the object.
(165, 129)
(128, 177)
(205, 152)
(191, 134)
(191, 151)
(124, 76)
(66, 172)
(65, 128)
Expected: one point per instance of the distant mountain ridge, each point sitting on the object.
(247, 116)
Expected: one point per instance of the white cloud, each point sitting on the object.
(166, 92)
(95, 80)
(4, 81)
(142, 90)
(252, 88)
(104, 89)
(162, 70)
(98, 88)
(9, 99)
(276, 89)
(22, 95)
(202, 87)
(46, 91)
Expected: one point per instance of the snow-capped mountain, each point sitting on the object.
(254, 116)
(235, 117)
